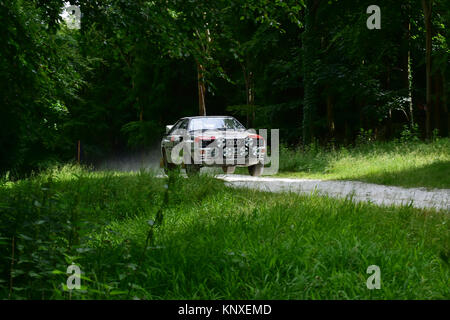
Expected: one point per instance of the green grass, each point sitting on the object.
(213, 242)
(412, 164)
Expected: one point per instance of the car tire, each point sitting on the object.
(256, 170)
(228, 169)
(168, 167)
(192, 170)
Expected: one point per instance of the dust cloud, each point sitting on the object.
(133, 161)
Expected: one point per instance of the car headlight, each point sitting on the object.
(220, 142)
(228, 152)
(249, 142)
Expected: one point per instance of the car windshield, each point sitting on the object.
(215, 124)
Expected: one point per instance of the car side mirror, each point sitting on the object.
(168, 128)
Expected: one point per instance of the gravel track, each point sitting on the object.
(358, 191)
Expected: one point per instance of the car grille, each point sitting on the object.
(235, 143)
(232, 149)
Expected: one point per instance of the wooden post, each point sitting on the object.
(78, 151)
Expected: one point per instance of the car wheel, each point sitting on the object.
(256, 170)
(228, 169)
(192, 169)
(168, 167)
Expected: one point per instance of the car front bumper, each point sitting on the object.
(211, 157)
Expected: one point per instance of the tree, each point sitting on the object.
(427, 6)
(193, 29)
(309, 61)
(40, 75)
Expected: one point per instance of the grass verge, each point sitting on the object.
(409, 164)
(198, 239)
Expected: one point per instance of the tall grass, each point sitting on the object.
(210, 242)
(409, 164)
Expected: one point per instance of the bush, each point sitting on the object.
(365, 137)
(410, 133)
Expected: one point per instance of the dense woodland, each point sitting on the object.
(309, 67)
(351, 103)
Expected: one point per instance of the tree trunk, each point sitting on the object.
(445, 107)
(389, 119)
(309, 52)
(201, 89)
(409, 76)
(427, 10)
(437, 103)
(251, 97)
(347, 132)
(201, 69)
(330, 118)
(410, 81)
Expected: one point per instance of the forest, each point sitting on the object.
(313, 69)
(358, 90)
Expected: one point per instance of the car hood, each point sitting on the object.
(228, 134)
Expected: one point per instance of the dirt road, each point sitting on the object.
(359, 191)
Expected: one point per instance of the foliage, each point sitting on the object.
(410, 133)
(364, 137)
(312, 68)
(309, 68)
(39, 77)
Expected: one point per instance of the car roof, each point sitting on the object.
(200, 117)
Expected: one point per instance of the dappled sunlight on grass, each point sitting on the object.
(409, 165)
(213, 241)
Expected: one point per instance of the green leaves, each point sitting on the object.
(137, 60)
(39, 77)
